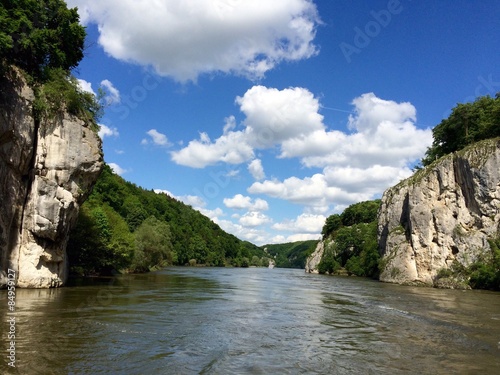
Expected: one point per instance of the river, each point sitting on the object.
(251, 321)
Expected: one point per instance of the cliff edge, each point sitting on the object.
(47, 169)
(314, 259)
(444, 213)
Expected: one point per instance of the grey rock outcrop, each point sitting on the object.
(314, 259)
(443, 214)
(46, 171)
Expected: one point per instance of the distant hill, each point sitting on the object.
(125, 227)
(291, 254)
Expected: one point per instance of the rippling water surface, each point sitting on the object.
(252, 321)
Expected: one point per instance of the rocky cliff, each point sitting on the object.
(314, 259)
(443, 214)
(47, 168)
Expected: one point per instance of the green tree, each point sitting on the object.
(244, 251)
(110, 189)
(333, 222)
(347, 241)
(215, 259)
(88, 247)
(362, 212)
(153, 246)
(245, 262)
(40, 34)
(102, 224)
(122, 240)
(198, 249)
(255, 261)
(354, 236)
(468, 123)
(133, 211)
(329, 262)
(364, 257)
(485, 274)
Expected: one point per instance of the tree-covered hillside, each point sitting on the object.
(351, 241)
(123, 226)
(291, 254)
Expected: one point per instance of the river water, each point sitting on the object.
(251, 321)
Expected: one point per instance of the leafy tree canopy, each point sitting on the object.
(353, 241)
(468, 123)
(153, 246)
(40, 34)
(357, 213)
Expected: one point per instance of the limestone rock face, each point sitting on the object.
(46, 171)
(444, 213)
(314, 259)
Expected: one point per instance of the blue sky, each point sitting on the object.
(269, 116)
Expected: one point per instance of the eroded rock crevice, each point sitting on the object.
(454, 211)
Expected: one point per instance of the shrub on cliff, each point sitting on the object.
(485, 274)
(45, 40)
(61, 92)
(468, 123)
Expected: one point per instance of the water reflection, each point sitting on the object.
(42, 337)
(255, 321)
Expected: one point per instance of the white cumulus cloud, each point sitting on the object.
(256, 169)
(370, 180)
(112, 93)
(230, 148)
(85, 86)
(377, 148)
(303, 237)
(384, 133)
(211, 214)
(193, 200)
(241, 202)
(254, 235)
(117, 169)
(254, 219)
(358, 165)
(309, 191)
(272, 117)
(304, 223)
(156, 138)
(106, 131)
(192, 37)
